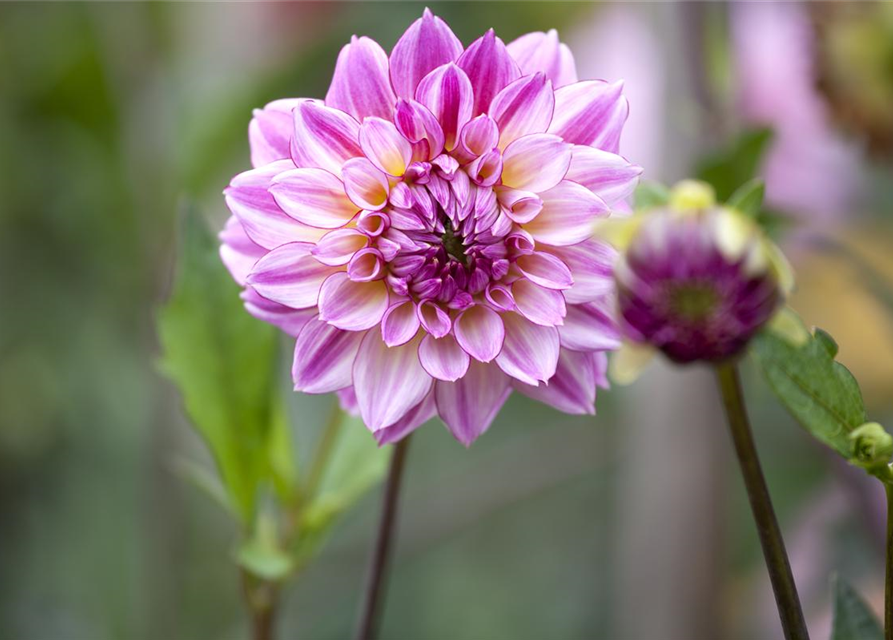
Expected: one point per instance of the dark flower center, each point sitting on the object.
(452, 243)
(693, 301)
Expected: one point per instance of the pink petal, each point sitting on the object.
(500, 297)
(435, 320)
(426, 45)
(291, 321)
(520, 206)
(337, 247)
(384, 146)
(270, 131)
(572, 388)
(592, 264)
(290, 275)
(352, 306)
(590, 327)
(324, 357)
(361, 85)
(443, 358)
(400, 323)
(249, 199)
(536, 162)
(389, 381)
(365, 185)
(568, 216)
(609, 176)
(523, 107)
(544, 53)
(590, 113)
(373, 223)
(237, 251)
(479, 136)
(414, 418)
(546, 270)
(347, 398)
(469, 405)
(366, 265)
(530, 351)
(480, 332)
(489, 67)
(418, 125)
(486, 170)
(313, 197)
(447, 92)
(325, 138)
(538, 304)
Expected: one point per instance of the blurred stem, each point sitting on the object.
(260, 596)
(373, 598)
(779, 567)
(324, 450)
(888, 591)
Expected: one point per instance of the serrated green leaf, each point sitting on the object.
(733, 165)
(853, 620)
(651, 194)
(818, 391)
(224, 364)
(748, 198)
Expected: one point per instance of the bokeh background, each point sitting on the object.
(628, 525)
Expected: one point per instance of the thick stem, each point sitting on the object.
(374, 594)
(780, 574)
(888, 592)
(260, 597)
(262, 624)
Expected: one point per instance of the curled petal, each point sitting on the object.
(500, 297)
(366, 265)
(592, 263)
(418, 125)
(520, 206)
(443, 358)
(389, 381)
(486, 170)
(590, 327)
(590, 113)
(400, 323)
(325, 138)
(384, 146)
(365, 184)
(479, 136)
(542, 52)
(447, 92)
(609, 176)
(538, 304)
(426, 45)
(469, 405)
(572, 388)
(530, 351)
(536, 162)
(324, 357)
(291, 321)
(546, 270)
(412, 420)
(352, 306)
(361, 85)
(313, 197)
(489, 67)
(248, 197)
(568, 215)
(337, 247)
(290, 275)
(373, 223)
(523, 107)
(270, 131)
(480, 332)
(435, 320)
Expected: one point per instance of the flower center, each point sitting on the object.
(693, 301)
(452, 243)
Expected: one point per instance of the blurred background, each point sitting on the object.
(629, 525)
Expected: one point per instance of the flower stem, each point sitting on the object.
(374, 595)
(888, 591)
(780, 575)
(260, 596)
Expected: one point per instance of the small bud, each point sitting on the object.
(873, 446)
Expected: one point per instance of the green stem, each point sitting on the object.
(324, 450)
(260, 596)
(780, 575)
(373, 598)
(888, 591)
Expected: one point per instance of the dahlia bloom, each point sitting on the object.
(425, 231)
(698, 280)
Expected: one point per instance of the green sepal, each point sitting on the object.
(852, 618)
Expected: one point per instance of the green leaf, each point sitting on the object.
(262, 556)
(651, 194)
(818, 391)
(224, 363)
(748, 198)
(853, 620)
(205, 481)
(728, 168)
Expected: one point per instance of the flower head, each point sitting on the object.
(425, 230)
(697, 280)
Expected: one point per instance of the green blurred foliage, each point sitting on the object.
(853, 619)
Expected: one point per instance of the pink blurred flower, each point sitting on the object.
(425, 230)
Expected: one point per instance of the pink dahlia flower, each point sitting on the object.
(425, 230)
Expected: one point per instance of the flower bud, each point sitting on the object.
(697, 280)
(873, 446)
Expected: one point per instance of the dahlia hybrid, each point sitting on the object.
(425, 231)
